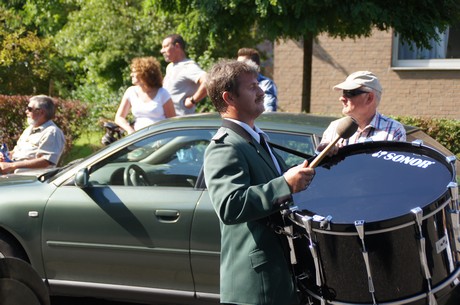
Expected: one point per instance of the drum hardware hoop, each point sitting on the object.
(407, 224)
(439, 287)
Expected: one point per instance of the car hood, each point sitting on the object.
(17, 179)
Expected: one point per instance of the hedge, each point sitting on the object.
(446, 132)
(70, 117)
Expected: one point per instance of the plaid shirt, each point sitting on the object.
(381, 128)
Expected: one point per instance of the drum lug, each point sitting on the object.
(325, 224)
(359, 225)
(306, 221)
(417, 143)
(452, 160)
(453, 188)
(418, 213)
(455, 213)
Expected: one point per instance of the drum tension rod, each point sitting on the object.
(418, 213)
(359, 225)
(306, 221)
(454, 213)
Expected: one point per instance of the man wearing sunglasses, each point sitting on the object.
(361, 94)
(41, 144)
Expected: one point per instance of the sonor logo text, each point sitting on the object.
(412, 161)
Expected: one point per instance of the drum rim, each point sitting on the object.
(371, 228)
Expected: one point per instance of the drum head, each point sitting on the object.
(378, 182)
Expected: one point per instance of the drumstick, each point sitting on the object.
(346, 127)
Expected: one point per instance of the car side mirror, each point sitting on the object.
(82, 178)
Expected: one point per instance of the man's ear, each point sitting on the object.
(370, 97)
(228, 98)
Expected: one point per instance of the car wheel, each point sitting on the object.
(135, 175)
(9, 247)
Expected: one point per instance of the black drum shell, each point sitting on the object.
(355, 186)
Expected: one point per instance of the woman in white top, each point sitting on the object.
(148, 101)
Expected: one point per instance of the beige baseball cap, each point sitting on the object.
(358, 79)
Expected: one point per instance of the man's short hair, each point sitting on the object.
(176, 38)
(46, 103)
(224, 76)
(250, 53)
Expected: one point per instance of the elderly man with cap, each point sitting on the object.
(361, 94)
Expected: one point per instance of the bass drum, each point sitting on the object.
(379, 224)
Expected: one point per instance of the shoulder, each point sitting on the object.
(51, 128)
(130, 91)
(191, 64)
(388, 120)
(52, 125)
(220, 135)
(163, 94)
(226, 135)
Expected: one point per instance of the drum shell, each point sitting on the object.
(394, 258)
(392, 241)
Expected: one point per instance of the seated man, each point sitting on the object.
(41, 144)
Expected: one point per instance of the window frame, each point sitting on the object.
(419, 64)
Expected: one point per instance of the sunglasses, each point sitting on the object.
(353, 93)
(30, 109)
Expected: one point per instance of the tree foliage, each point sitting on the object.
(25, 57)
(101, 38)
(414, 20)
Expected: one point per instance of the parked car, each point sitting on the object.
(133, 221)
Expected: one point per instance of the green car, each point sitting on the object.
(133, 221)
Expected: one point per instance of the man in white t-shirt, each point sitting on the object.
(184, 79)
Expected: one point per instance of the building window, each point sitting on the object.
(444, 54)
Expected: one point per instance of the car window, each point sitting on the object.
(175, 158)
(300, 142)
(171, 158)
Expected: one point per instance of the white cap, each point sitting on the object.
(359, 79)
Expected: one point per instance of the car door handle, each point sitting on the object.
(167, 215)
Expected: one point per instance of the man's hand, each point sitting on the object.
(333, 151)
(189, 102)
(6, 167)
(299, 177)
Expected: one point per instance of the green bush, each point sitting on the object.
(70, 117)
(446, 132)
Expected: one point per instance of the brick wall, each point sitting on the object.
(426, 93)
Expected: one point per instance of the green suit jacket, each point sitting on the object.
(247, 193)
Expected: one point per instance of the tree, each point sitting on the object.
(303, 20)
(28, 59)
(206, 39)
(98, 43)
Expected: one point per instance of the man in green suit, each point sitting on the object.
(249, 186)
